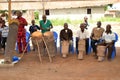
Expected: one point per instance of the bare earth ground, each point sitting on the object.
(30, 68)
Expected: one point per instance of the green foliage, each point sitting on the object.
(37, 21)
(58, 21)
(3, 11)
(36, 14)
(109, 19)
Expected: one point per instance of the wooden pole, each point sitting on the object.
(43, 5)
(39, 54)
(9, 11)
(47, 49)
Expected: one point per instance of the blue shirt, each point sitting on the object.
(33, 28)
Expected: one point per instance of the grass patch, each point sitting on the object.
(109, 19)
(58, 21)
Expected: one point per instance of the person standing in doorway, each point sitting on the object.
(86, 22)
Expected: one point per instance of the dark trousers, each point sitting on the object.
(109, 48)
(93, 45)
(0, 43)
(4, 39)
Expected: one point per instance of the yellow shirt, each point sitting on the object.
(97, 33)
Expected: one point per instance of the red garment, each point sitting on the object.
(21, 37)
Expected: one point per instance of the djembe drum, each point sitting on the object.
(37, 37)
(65, 48)
(49, 39)
(101, 52)
(81, 48)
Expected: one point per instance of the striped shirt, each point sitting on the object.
(5, 31)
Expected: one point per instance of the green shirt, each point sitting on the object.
(45, 26)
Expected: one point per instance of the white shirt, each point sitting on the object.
(5, 31)
(108, 37)
(83, 35)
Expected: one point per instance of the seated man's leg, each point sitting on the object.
(94, 46)
(110, 49)
(77, 40)
(71, 48)
(87, 46)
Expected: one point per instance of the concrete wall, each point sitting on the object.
(75, 13)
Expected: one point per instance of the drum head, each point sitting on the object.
(48, 34)
(36, 34)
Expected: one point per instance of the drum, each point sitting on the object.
(101, 52)
(48, 34)
(36, 35)
(49, 39)
(81, 48)
(65, 48)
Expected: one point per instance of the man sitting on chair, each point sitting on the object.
(82, 35)
(66, 35)
(108, 42)
(96, 35)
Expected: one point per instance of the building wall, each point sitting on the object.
(75, 13)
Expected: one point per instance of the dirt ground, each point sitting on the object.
(30, 68)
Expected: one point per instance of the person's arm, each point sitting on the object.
(87, 35)
(61, 35)
(51, 26)
(113, 38)
(92, 34)
(38, 27)
(40, 23)
(70, 35)
(30, 29)
(23, 22)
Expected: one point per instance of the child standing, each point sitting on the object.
(4, 35)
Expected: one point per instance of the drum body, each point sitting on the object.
(81, 48)
(65, 48)
(49, 39)
(37, 37)
(101, 52)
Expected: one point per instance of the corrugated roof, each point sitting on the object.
(53, 4)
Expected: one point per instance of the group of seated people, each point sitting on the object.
(100, 39)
